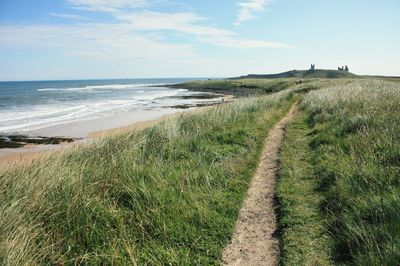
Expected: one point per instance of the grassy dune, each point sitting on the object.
(171, 193)
(167, 194)
(346, 174)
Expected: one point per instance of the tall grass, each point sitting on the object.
(356, 155)
(166, 194)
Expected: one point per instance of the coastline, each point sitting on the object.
(10, 157)
(150, 122)
(88, 131)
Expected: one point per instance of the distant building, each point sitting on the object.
(312, 67)
(344, 68)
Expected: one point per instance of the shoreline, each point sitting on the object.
(12, 157)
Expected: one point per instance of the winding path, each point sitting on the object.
(253, 241)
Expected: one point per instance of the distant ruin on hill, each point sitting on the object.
(344, 68)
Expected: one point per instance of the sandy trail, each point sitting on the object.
(253, 241)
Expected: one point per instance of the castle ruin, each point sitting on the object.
(344, 68)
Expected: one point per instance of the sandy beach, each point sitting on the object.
(88, 131)
(83, 129)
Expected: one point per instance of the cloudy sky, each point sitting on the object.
(85, 39)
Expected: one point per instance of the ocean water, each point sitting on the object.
(29, 106)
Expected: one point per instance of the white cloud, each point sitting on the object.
(249, 9)
(94, 41)
(191, 24)
(181, 22)
(233, 42)
(136, 34)
(187, 23)
(67, 16)
(107, 5)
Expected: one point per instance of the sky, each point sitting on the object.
(101, 39)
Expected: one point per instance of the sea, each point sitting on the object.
(27, 106)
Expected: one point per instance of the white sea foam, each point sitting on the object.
(29, 118)
(101, 87)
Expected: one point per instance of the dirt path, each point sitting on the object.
(253, 241)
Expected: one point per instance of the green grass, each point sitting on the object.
(259, 87)
(304, 235)
(244, 87)
(167, 194)
(304, 74)
(171, 193)
(355, 151)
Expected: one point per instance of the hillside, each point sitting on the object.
(256, 84)
(238, 87)
(251, 87)
(318, 73)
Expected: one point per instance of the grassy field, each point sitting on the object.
(167, 194)
(340, 171)
(171, 193)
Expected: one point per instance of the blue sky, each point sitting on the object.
(85, 39)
